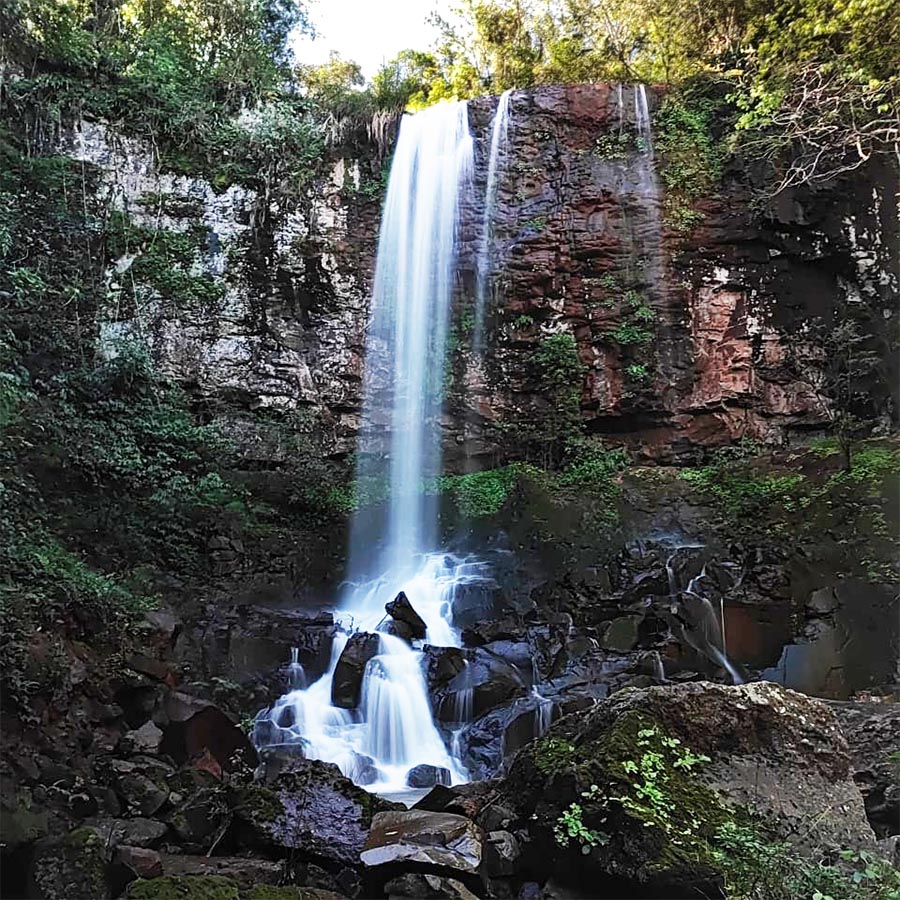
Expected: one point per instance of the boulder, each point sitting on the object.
(873, 733)
(755, 752)
(621, 635)
(313, 809)
(415, 836)
(426, 776)
(502, 852)
(485, 683)
(401, 611)
(208, 731)
(348, 673)
(142, 783)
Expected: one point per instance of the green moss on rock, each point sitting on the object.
(73, 866)
(184, 887)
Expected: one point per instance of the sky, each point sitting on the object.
(367, 31)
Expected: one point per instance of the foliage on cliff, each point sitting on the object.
(815, 83)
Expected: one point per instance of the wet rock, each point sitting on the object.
(278, 758)
(442, 665)
(401, 611)
(142, 862)
(425, 776)
(873, 733)
(415, 836)
(137, 832)
(427, 887)
(314, 810)
(71, 866)
(490, 740)
(485, 683)
(348, 674)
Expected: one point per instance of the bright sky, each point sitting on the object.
(367, 31)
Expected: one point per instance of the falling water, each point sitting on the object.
(393, 545)
(642, 119)
(496, 160)
(707, 630)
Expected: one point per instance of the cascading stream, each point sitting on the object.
(393, 544)
(496, 162)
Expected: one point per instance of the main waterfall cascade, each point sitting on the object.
(394, 545)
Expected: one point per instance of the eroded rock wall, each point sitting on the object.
(586, 242)
(583, 243)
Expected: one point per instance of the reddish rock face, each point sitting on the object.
(582, 244)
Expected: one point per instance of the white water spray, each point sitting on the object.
(393, 544)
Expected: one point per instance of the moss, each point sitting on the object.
(259, 805)
(288, 892)
(74, 866)
(552, 755)
(184, 887)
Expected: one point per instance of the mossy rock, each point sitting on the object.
(642, 786)
(72, 866)
(184, 887)
(289, 892)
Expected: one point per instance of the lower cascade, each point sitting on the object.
(384, 729)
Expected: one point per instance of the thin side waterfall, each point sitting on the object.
(394, 540)
(496, 165)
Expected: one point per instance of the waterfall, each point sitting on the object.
(394, 544)
(496, 160)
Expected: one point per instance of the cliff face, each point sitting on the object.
(685, 325)
(587, 241)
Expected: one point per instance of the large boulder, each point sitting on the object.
(346, 686)
(413, 626)
(645, 785)
(313, 810)
(415, 836)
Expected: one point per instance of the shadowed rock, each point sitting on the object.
(348, 674)
(425, 776)
(402, 612)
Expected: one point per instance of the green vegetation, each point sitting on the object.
(480, 494)
(755, 498)
(185, 887)
(813, 89)
(689, 135)
(557, 372)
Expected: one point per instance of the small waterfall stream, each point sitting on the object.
(496, 165)
(394, 545)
